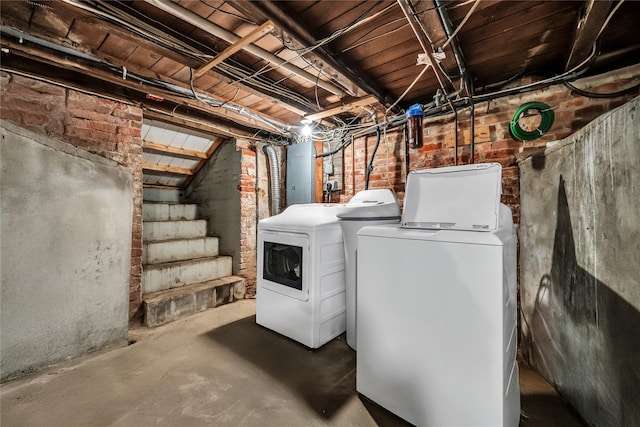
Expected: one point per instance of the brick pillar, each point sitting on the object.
(248, 221)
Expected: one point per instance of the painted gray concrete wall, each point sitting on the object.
(215, 189)
(580, 267)
(65, 251)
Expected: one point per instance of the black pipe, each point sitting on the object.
(587, 94)
(406, 152)
(455, 116)
(373, 156)
(473, 139)
(340, 147)
(473, 121)
(446, 23)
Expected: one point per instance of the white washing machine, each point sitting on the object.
(367, 207)
(436, 312)
(300, 274)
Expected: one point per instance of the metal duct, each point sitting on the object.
(274, 178)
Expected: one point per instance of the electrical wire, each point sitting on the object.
(588, 94)
(359, 42)
(569, 74)
(232, 69)
(464, 21)
(360, 20)
(373, 155)
(424, 70)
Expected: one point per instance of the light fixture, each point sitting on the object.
(306, 130)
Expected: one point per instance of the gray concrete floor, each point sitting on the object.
(220, 368)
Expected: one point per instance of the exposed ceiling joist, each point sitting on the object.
(166, 168)
(67, 63)
(212, 149)
(169, 149)
(180, 58)
(192, 122)
(362, 102)
(429, 13)
(253, 36)
(217, 31)
(588, 30)
(410, 13)
(162, 186)
(300, 38)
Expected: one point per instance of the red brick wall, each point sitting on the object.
(102, 126)
(247, 189)
(493, 142)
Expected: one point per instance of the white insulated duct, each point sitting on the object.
(217, 31)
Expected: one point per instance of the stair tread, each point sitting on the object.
(177, 220)
(177, 239)
(155, 202)
(183, 262)
(191, 287)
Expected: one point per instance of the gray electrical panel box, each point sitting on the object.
(301, 173)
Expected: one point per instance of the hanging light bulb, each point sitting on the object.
(306, 130)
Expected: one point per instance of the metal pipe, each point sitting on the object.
(410, 14)
(446, 23)
(274, 178)
(406, 153)
(373, 156)
(473, 139)
(217, 31)
(455, 115)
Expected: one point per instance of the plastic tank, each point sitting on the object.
(368, 207)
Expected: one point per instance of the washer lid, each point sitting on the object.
(456, 198)
(308, 216)
(371, 204)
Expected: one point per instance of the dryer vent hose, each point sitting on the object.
(274, 177)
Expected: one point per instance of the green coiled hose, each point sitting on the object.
(546, 120)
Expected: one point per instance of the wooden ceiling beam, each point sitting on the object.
(347, 75)
(148, 184)
(587, 31)
(197, 123)
(410, 14)
(362, 102)
(65, 62)
(146, 166)
(148, 44)
(169, 149)
(436, 33)
(201, 23)
(212, 149)
(286, 104)
(253, 36)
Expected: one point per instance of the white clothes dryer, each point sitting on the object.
(300, 274)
